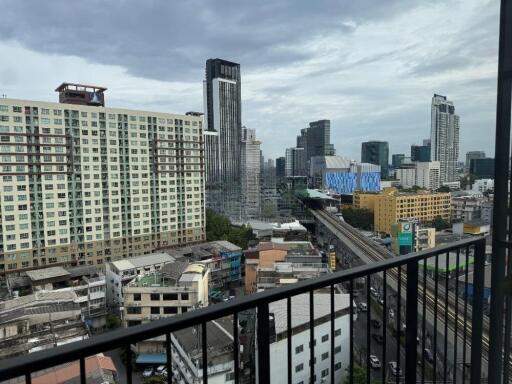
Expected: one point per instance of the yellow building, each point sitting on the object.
(392, 205)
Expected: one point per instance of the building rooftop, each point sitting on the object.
(300, 308)
(171, 275)
(47, 273)
(142, 261)
(452, 262)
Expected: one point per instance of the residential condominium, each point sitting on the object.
(391, 205)
(420, 174)
(251, 174)
(84, 184)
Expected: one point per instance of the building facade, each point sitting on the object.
(409, 236)
(280, 167)
(296, 161)
(482, 168)
(223, 133)
(444, 137)
(391, 205)
(421, 174)
(420, 153)
(472, 155)
(483, 185)
(85, 184)
(397, 159)
(251, 174)
(376, 152)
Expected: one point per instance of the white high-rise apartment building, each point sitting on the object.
(251, 169)
(444, 137)
(422, 174)
(84, 184)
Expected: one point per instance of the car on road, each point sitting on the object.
(374, 362)
(429, 356)
(363, 307)
(393, 366)
(148, 372)
(376, 323)
(391, 314)
(160, 370)
(379, 339)
(381, 301)
(373, 292)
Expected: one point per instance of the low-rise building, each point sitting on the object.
(301, 338)
(477, 227)
(422, 174)
(409, 236)
(176, 288)
(483, 185)
(391, 205)
(471, 205)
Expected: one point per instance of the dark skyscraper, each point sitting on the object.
(223, 133)
(420, 153)
(280, 167)
(397, 159)
(376, 152)
(316, 139)
(482, 168)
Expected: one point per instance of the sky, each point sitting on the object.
(370, 66)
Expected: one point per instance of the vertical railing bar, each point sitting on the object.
(436, 295)
(398, 321)
(351, 335)
(368, 328)
(289, 337)
(477, 313)
(508, 304)
(128, 350)
(455, 341)
(384, 324)
(83, 377)
(28, 378)
(423, 320)
(446, 283)
(236, 349)
(168, 353)
(333, 317)
(263, 337)
(411, 322)
(465, 326)
(204, 346)
(311, 336)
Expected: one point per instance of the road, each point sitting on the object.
(121, 369)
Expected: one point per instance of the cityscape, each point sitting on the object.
(173, 246)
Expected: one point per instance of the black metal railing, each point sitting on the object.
(405, 299)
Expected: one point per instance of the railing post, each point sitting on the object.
(477, 313)
(411, 322)
(263, 335)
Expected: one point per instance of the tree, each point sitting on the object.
(358, 217)
(359, 376)
(154, 380)
(113, 321)
(467, 181)
(443, 188)
(218, 227)
(439, 223)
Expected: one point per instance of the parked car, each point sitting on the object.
(376, 323)
(374, 362)
(363, 307)
(393, 366)
(373, 292)
(429, 356)
(381, 301)
(148, 372)
(160, 370)
(379, 339)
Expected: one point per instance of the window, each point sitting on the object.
(155, 297)
(136, 297)
(299, 349)
(184, 296)
(337, 349)
(325, 372)
(299, 367)
(170, 310)
(133, 310)
(170, 296)
(325, 338)
(325, 355)
(337, 332)
(155, 310)
(337, 366)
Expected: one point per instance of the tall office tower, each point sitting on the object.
(295, 162)
(426, 142)
(376, 152)
(251, 173)
(472, 155)
(84, 184)
(280, 167)
(444, 137)
(223, 132)
(420, 153)
(397, 159)
(316, 139)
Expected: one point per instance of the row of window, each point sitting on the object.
(163, 296)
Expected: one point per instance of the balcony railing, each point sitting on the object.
(431, 306)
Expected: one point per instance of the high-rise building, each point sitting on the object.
(397, 159)
(376, 152)
(223, 133)
(251, 173)
(295, 162)
(280, 167)
(472, 155)
(444, 137)
(84, 184)
(420, 174)
(420, 153)
(316, 139)
(482, 168)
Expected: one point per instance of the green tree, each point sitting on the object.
(467, 181)
(154, 380)
(439, 223)
(358, 217)
(113, 321)
(218, 227)
(359, 376)
(443, 188)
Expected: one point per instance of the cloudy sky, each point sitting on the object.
(370, 66)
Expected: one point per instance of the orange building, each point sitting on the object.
(263, 255)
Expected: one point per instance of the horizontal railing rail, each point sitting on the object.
(408, 264)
